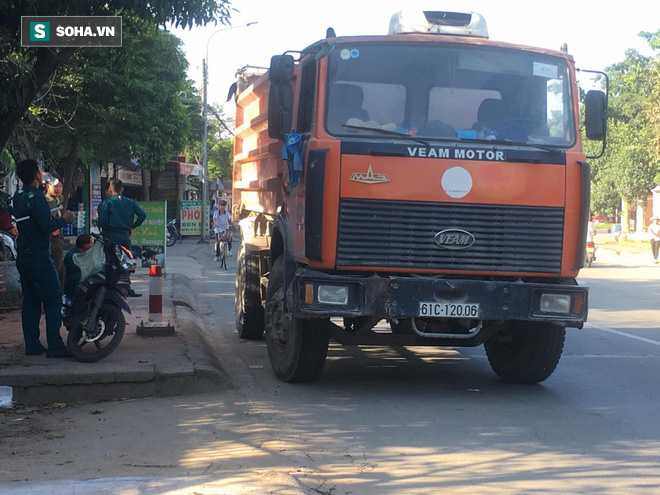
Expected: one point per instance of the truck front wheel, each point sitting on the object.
(297, 350)
(527, 352)
(249, 312)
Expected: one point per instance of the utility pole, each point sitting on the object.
(205, 164)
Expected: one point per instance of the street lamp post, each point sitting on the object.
(205, 161)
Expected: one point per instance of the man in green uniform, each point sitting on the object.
(116, 218)
(53, 193)
(39, 280)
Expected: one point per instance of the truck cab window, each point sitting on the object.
(307, 97)
(450, 92)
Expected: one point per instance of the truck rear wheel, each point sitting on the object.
(297, 351)
(249, 312)
(528, 352)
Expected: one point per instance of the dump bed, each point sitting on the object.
(258, 167)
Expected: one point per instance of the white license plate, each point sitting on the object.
(448, 310)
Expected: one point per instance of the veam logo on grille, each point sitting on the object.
(454, 239)
(369, 177)
(79, 31)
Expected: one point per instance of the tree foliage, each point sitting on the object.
(631, 164)
(220, 146)
(25, 71)
(117, 104)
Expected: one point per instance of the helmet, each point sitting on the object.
(51, 179)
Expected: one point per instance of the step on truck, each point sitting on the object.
(430, 179)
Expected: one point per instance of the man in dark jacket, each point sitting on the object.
(116, 215)
(39, 280)
(116, 218)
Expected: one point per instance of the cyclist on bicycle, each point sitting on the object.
(222, 224)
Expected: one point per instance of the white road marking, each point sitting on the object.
(624, 334)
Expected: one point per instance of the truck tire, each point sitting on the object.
(297, 354)
(528, 352)
(249, 312)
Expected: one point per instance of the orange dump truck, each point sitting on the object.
(432, 179)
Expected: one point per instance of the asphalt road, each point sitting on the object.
(416, 420)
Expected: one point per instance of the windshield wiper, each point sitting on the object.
(515, 143)
(385, 131)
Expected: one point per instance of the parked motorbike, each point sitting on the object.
(172, 234)
(7, 247)
(591, 253)
(150, 257)
(94, 317)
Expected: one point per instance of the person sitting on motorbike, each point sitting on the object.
(6, 221)
(84, 242)
(591, 230)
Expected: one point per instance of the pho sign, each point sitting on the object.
(191, 218)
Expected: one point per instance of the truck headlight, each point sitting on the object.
(555, 303)
(336, 295)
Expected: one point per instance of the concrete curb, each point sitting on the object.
(245, 482)
(207, 364)
(183, 291)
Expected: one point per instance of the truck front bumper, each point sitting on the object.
(321, 295)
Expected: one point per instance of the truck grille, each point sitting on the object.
(400, 234)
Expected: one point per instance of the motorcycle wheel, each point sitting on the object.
(170, 239)
(110, 326)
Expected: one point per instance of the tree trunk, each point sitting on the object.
(47, 63)
(70, 169)
(146, 182)
(625, 216)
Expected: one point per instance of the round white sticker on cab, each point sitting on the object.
(457, 182)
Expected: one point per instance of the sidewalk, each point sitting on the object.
(613, 255)
(139, 367)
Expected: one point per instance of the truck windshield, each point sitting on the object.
(449, 92)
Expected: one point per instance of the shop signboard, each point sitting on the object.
(95, 196)
(151, 234)
(191, 217)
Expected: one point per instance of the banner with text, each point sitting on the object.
(150, 236)
(191, 217)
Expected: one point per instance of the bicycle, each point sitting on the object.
(223, 248)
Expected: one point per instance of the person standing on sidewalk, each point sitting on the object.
(39, 281)
(654, 230)
(222, 223)
(117, 218)
(53, 193)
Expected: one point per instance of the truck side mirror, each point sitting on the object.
(280, 96)
(281, 69)
(595, 115)
(280, 110)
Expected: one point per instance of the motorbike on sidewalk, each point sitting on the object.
(172, 233)
(95, 318)
(7, 246)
